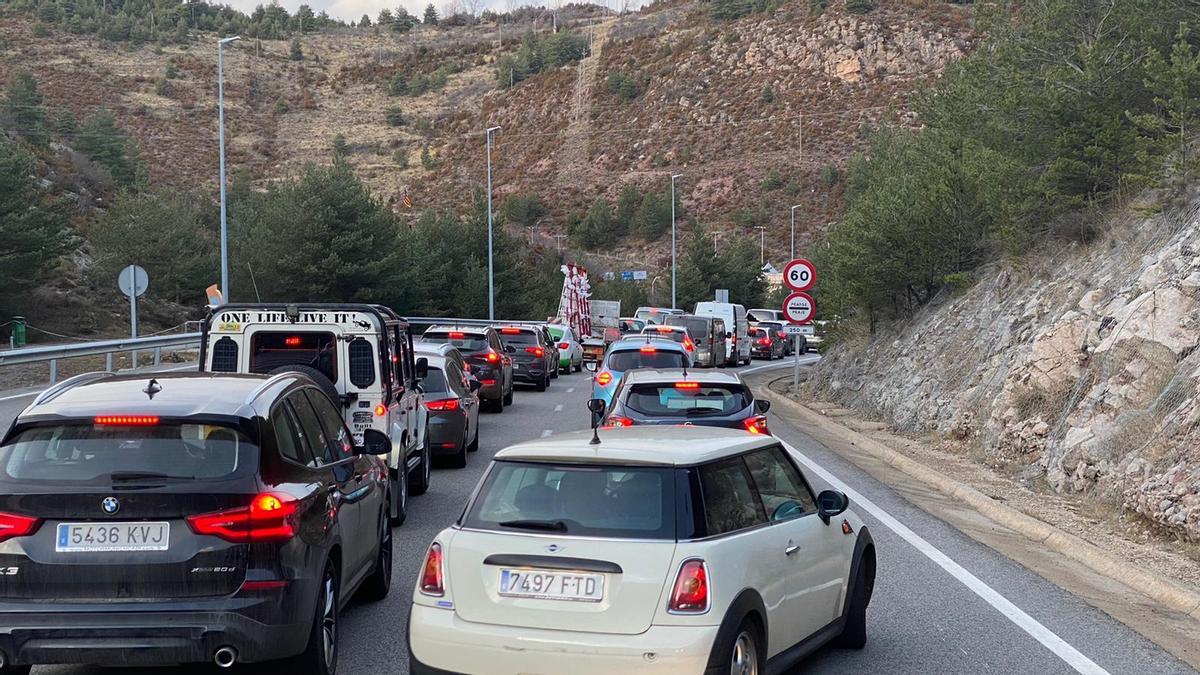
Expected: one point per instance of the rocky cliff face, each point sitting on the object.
(1077, 368)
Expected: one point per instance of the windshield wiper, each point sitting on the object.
(121, 476)
(549, 525)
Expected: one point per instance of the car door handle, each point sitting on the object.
(791, 548)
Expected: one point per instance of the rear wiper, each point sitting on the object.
(550, 525)
(121, 476)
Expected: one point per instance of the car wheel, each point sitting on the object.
(542, 383)
(320, 657)
(418, 483)
(495, 405)
(399, 496)
(379, 584)
(554, 372)
(743, 653)
(508, 398)
(459, 459)
(854, 633)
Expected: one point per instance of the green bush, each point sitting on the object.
(400, 157)
(817, 7)
(767, 95)
(522, 209)
(172, 71)
(23, 104)
(623, 85)
(539, 53)
(830, 175)
(773, 181)
(296, 54)
(394, 116)
(860, 6)
(106, 144)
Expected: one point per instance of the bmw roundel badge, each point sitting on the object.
(110, 505)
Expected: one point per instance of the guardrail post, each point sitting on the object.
(157, 355)
(108, 362)
(53, 371)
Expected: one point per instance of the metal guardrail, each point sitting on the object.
(53, 353)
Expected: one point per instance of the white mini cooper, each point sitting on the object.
(660, 550)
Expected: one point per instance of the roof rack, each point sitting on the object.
(69, 383)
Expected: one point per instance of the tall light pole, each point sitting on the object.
(794, 232)
(221, 125)
(673, 177)
(491, 277)
(762, 247)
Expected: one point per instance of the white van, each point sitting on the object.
(737, 342)
(360, 355)
(757, 315)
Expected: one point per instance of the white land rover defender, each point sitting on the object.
(360, 355)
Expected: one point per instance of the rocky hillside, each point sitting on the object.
(720, 102)
(1076, 369)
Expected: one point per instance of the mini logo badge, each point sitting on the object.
(110, 505)
(554, 548)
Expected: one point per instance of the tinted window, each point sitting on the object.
(271, 350)
(469, 342)
(696, 328)
(435, 381)
(519, 338)
(629, 326)
(672, 335)
(362, 363)
(671, 399)
(783, 492)
(626, 360)
(758, 332)
(624, 502)
(341, 443)
(287, 435)
(310, 429)
(729, 502)
(93, 453)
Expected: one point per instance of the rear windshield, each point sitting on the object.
(635, 358)
(632, 326)
(270, 350)
(696, 328)
(434, 381)
(669, 399)
(469, 342)
(589, 501)
(520, 337)
(758, 332)
(673, 335)
(118, 455)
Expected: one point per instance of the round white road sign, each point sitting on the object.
(799, 308)
(133, 281)
(799, 275)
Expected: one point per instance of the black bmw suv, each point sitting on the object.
(188, 518)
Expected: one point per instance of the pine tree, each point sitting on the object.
(23, 103)
(431, 15)
(296, 53)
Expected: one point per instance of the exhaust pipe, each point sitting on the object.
(225, 657)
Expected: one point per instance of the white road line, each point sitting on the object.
(570, 390)
(782, 363)
(546, 433)
(1044, 635)
(558, 408)
(9, 398)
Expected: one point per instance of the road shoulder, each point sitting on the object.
(1162, 610)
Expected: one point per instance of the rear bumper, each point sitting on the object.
(531, 374)
(259, 628)
(440, 643)
(446, 429)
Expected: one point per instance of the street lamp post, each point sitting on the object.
(491, 277)
(794, 231)
(673, 296)
(221, 126)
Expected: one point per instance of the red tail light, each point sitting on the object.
(663, 329)
(457, 335)
(126, 420)
(265, 585)
(380, 410)
(688, 344)
(445, 404)
(432, 581)
(492, 356)
(687, 385)
(488, 383)
(756, 424)
(13, 525)
(604, 378)
(269, 518)
(648, 350)
(536, 351)
(619, 421)
(510, 331)
(293, 341)
(766, 342)
(563, 345)
(690, 595)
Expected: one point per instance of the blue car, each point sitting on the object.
(631, 353)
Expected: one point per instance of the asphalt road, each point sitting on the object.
(944, 603)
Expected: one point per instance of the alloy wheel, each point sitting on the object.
(744, 660)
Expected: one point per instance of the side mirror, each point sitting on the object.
(374, 443)
(590, 366)
(831, 503)
(728, 335)
(761, 406)
(596, 405)
(510, 349)
(422, 368)
(475, 385)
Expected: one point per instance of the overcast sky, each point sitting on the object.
(352, 10)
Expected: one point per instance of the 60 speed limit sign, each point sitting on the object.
(799, 275)
(799, 308)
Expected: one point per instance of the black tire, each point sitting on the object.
(399, 497)
(379, 584)
(495, 405)
(554, 372)
(854, 633)
(742, 654)
(317, 376)
(542, 384)
(15, 670)
(318, 658)
(508, 398)
(418, 481)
